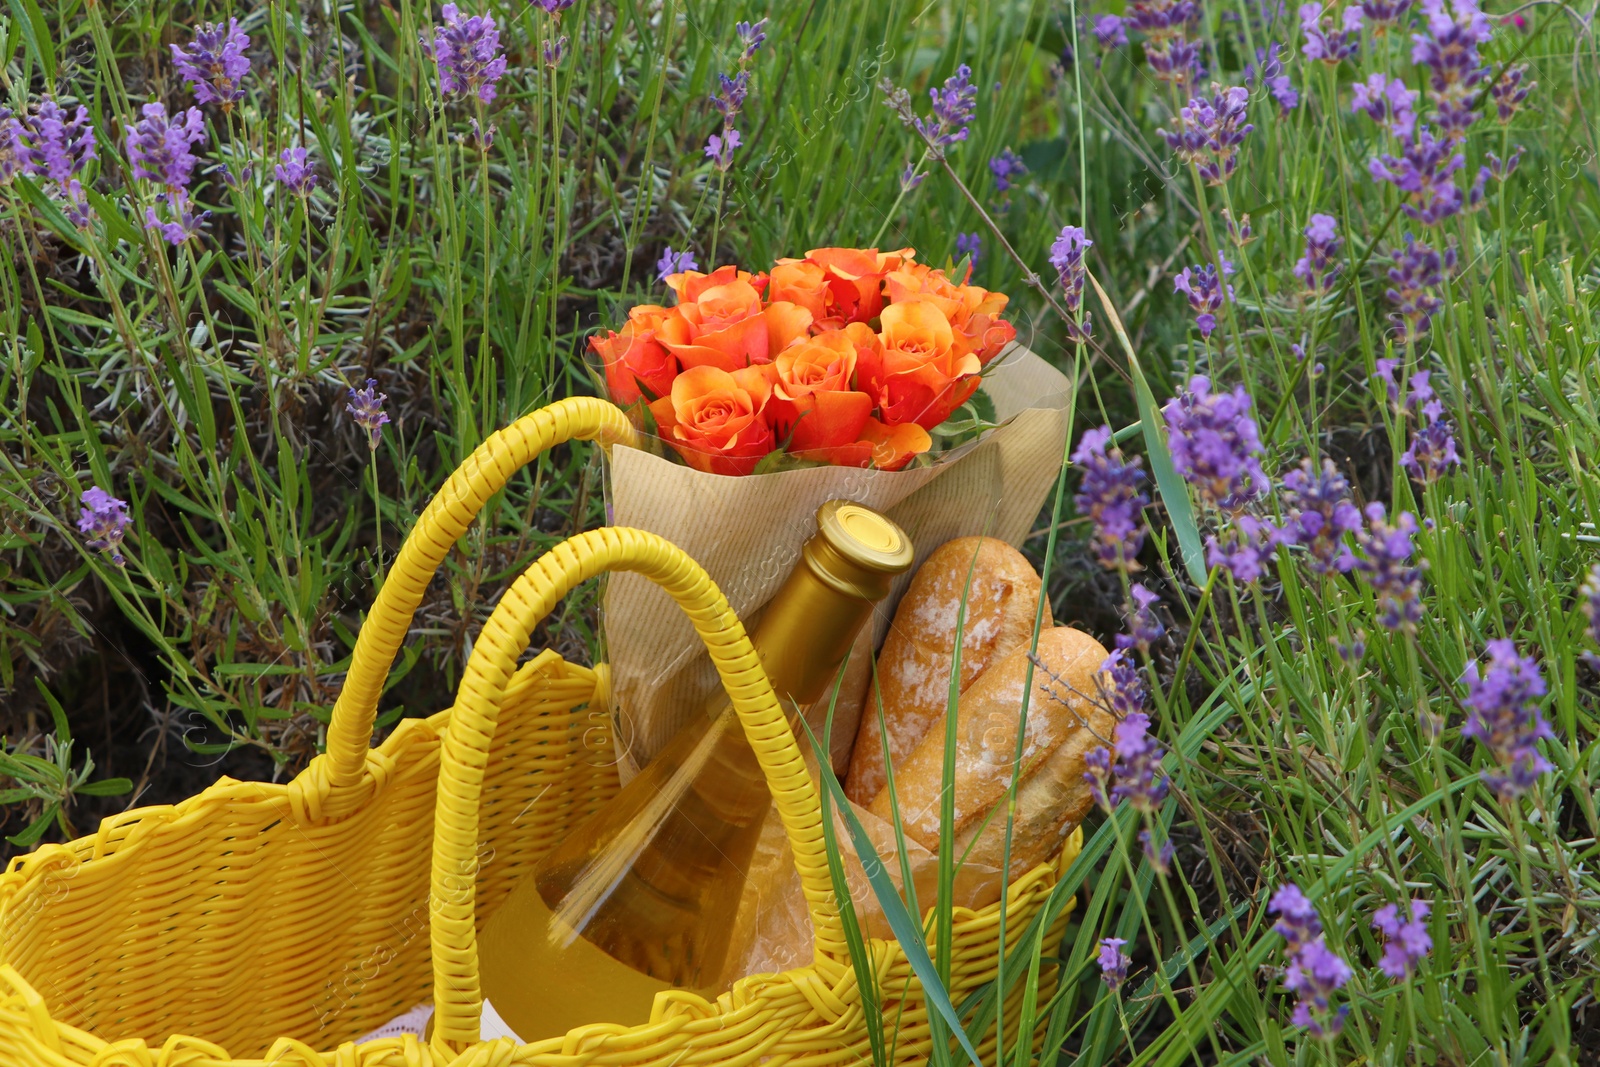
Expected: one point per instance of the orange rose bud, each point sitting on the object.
(855, 281)
(812, 403)
(715, 419)
(803, 283)
(691, 283)
(635, 361)
(915, 371)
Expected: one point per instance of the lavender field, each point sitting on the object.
(1327, 278)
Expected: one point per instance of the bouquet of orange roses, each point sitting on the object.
(848, 357)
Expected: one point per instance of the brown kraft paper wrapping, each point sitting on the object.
(747, 533)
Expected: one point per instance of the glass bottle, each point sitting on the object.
(641, 896)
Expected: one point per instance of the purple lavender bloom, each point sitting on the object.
(969, 245)
(1314, 974)
(1383, 14)
(1205, 293)
(1414, 279)
(554, 51)
(1122, 686)
(1144, 628)
(1269, 68)
(1140, 780)
(675, 263)
(59, 146)
(1509, 92)
(1387, 102)
(1113, 962)
(13, 153)
(1238, 229)
(909, 178)
(182, 222)
(953, 108)
(1504, 716)
(1215, 445)
(1297, 918)
(214, 63)
(1111, 497)
(1097, 764)
(730, 101)
(1210, 132)
(1110, 32)
(1433, 447)
(366, 407)
(1317, 268)
(1424, 171)
(1066, 256)
(1407, 941)
(553, 8)
(1161, 19)
(158, 147)
(467, 53)
(104, 519)
(294, 173)
(1320, 513)
(1501, 169)
(752, 36)
(1450, 50)
(1244, 547)
(719, 147)
(1322, 41)
(1006, 167)
(1160, 857)
(1176, 61)
(1385, 562)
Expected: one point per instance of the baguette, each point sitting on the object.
(1065, 721)
(913, 677)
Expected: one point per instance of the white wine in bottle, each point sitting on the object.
(641, 896)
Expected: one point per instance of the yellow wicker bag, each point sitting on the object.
(265, 923)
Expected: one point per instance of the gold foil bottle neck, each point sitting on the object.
(856, 550)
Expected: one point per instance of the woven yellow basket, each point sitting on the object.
(265, 923)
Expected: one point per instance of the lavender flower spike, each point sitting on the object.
(969, 245)
(1215, 445)
(1509, 92)
(1140, 779)
(1244, 547)
(158, 147)
(1504, 716)
(13, 153)
(1417, 273)
(366, 407)
(1388, 102)
(1387, 566)
(720, 147)
(1322, 41)
(1433, 447)
(1210, 132)
(1317, 268)
(1408, 939)
(1205, 292)
(1111, 496)
(56, 146)
(1320, 513)
(1006, 167)
(1314, 974)
(1066, 256)
(467, 53)
(1110, 32)
(1113, 962)
(104, 519)
(214, 63)
(294, 173)
(1269, 68)
(1425, 172)
(953, 108)
(752, 36)
(672, 262)
(1297, 918)
(1144, 628)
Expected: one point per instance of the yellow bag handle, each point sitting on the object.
(442, 524)
(457, 995)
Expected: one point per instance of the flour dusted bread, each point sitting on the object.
(1065, 721)
(914, 663)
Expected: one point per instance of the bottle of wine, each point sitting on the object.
(641, 896)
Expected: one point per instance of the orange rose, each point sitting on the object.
(635, 360)
(913, 367)
(812, 404)
(725, 326)
(691, 283)
(837, 285)
(973, 312)
(715, 419)
(885, 447)
(803, 283)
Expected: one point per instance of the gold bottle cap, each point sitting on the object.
(857, 550)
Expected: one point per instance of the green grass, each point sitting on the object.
(205, 385)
